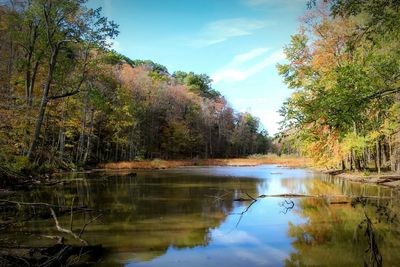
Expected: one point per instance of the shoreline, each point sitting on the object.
(389, 180)
(384, 179)
(284, 161)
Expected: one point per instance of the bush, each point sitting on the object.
(20, 164)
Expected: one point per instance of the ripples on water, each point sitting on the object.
(188, 217)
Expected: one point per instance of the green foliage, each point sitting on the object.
(70, 101)
(20, 163)
(156, 67)
(344, 67)
(197, 83)
(353, 142)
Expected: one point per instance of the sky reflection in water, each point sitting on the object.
(187, 217)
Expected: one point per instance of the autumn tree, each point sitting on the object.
(343, 66)
(67, 26)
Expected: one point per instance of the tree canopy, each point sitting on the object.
(344, 66)
(68, 100)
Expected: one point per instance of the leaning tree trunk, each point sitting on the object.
(43, 103)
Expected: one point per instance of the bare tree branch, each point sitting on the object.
(63, 230)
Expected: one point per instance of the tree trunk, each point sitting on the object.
(378, 160)
(88, 144)
(61, 134)
(391, 155)
(396, 147)
(383, 154)
(81, 144)
(43, 103)
(351, 161)
(32, 83)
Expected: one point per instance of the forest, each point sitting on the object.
(344, 67)
(108, 160)
(69, 100)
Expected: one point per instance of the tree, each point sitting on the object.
(66, 25)
(197, 83)
(343, 65)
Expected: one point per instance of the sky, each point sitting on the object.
(236, 42)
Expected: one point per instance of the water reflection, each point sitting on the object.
(187, 217)
(335, 235)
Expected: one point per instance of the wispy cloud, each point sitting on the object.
(249, 55)
(285, 3)
(221, 30)
(234, 72)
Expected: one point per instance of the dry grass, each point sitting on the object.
(287, 161)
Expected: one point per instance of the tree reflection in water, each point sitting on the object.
(363, 232)
(143, 215)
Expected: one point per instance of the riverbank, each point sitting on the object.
(387, 179)
(285, 161)
(384, 179)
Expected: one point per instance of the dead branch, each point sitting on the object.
(87, 223)
(244, 212)
(59, 239)
(63, 230)
(251, 197)
(18, 203)
(294, 195)
(287, 205)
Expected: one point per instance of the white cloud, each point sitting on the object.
(272, 2)
(250, 55)
(232, 72)
(236, 237)
(222, 30)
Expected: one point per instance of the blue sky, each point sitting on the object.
(236, 42)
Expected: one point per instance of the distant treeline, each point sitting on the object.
(67, 99)
(344, 65)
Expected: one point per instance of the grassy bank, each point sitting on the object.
(287, 161)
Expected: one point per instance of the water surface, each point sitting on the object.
(188, 217)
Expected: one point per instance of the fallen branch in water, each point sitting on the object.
(339, 202)
(87, 223)
(19, 203)
(63, 230)
(294, 195)
(243, 212)
(60, 254)
(287, 205)
(70, 232)
(59, 239)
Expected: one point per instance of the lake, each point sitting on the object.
(189, 217)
